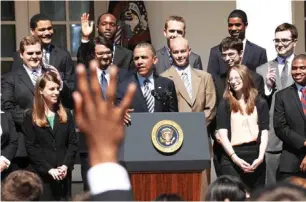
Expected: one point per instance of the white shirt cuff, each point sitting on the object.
(84, 41)
(267, 91)
(108, 177)
(7, 162)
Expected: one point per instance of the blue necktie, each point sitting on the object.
(103, 83)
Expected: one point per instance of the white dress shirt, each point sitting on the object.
(280, 67)
(187, 70)
(108, 177)
(107, 75)
(29, 71)
(299, 87)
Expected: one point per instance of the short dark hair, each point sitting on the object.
(226, 187)
(299, 57)
(107, 13)
(239, 14)
(146, 45)
(231, 43)
(21, 185)
(99, 40)
(289, 27)
(168, 197)
(29, 40)
(36, 18)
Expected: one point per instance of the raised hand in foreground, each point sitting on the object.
(99, 119)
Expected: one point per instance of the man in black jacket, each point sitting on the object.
(107, 28)
(253, 55)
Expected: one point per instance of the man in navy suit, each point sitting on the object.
(253, 55)
(174, 26)
(154, 93)
(41, 26)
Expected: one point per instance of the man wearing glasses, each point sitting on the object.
(231, 49)
(277, 76)
(253, 55)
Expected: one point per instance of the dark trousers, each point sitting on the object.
(20, 163)
(217, 154)
(84, 159)
(248, 152)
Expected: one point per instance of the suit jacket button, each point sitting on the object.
(54, 149)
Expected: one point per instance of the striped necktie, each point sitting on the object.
(34, 76)
(148, 96)
(303, 99)
(187, 84)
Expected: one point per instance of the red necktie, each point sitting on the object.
(303, 99)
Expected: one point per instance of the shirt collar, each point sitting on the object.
(48, 48)
(299, 87)
(141, 78)
(186, 69)
(290, 58)
(99, 71)
(38, 69)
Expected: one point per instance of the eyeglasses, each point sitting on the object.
(230, 55)
(103, 53)
(283, 41)
(233, 79)
(31, 53)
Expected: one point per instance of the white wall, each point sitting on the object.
(206, 22)
(263, 17)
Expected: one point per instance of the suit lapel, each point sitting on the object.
(179, 84)
(117, 55)
(247, 52)
(53, 55)
(195, 82)
(24, 77)
(166, 58)
(296, 99)
(138, 94)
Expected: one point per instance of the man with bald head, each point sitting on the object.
(196, 88)
(107, 28)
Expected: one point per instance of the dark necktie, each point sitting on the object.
(284, 74)
(303, 99)
(103, 83)
(148, 96)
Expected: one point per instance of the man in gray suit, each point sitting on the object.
(174, 26)
(277, 76)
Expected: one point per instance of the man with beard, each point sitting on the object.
(41, 26)
(174, 26)
(253, 55)
(290, 120)
(277, 77)
(164, 99)
(107, 28)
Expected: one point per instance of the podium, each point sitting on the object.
(184, 172)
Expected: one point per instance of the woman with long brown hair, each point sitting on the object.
(51, 141)
(243, 124)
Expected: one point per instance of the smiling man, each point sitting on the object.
(175, 26)
(41, 26)
(276, 74)
(252, 56)
(289, 122)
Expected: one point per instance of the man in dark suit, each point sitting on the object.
(18, 90)
(290, 122)
(108, 180)
(107, 28)
(41, 26)
(9, 143)
(154, 93)
(277, 76)
(174, 26)
(253, 55)
(103, 51)
(231, 53)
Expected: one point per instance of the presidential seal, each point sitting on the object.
(167, 136)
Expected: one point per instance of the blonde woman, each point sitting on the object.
(243, 123)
